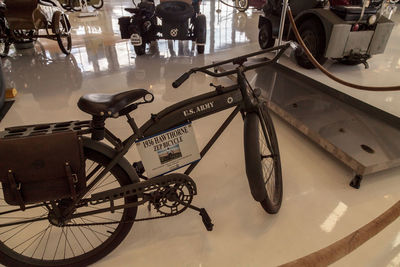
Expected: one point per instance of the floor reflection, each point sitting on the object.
(98, 50)
(43, 74)
(97, 43)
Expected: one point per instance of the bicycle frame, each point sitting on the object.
(195, 108)
(190, 110)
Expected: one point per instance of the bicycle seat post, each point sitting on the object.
(133, 125)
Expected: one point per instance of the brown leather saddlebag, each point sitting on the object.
(41, 168)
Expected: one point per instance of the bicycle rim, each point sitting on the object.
(44, 244)
(270, 163)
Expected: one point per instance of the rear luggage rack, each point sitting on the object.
(81, 127)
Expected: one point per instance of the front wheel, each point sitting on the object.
(4, 47)
(66, 5)
(4, 40)
(200, 49)
(242, 5)
(140, 49)
(44, 243)
(99, 5)
(312, 33)
(61, 28)
(265, 39)
(200, 30)
(263, 164)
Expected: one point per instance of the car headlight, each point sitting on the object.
(372, 20)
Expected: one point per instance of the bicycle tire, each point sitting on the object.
(140, 49)
(266, 187)
(17, 256)
(4, 40)
(99, 6)
(242, 5)
(265, 39)
(313, 35)
(62, 26)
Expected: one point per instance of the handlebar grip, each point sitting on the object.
(181, 80)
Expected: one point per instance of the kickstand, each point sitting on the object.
(366, 65)
(204, 216)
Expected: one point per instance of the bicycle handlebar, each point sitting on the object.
(181, 79)
(237, 61)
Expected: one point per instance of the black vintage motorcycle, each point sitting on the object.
(179, 21)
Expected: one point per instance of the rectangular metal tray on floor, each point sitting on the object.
(363, 137)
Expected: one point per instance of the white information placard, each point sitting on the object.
(169, 150)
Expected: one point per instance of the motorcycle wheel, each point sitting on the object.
(140, 49)
(312, 33)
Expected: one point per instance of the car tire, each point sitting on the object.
(175, 11)
(312, 33)
(200, 29)
(265, 39)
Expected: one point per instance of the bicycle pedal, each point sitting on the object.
(206, 219)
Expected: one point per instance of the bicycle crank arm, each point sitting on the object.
(204, 216)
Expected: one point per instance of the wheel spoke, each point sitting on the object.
(41, 239)
(93, 231)
(58, 243)
(35, 237)
(47, 242)
(77, 241)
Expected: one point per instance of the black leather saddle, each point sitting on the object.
(109, 105)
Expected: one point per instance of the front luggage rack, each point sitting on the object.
(81, 127)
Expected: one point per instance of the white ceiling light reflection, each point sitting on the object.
(395, 262)
(396, 241)
(334, 217)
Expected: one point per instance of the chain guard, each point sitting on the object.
(170, 195)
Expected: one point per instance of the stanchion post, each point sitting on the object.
(85, 11)
(219, 8)
(285, 5)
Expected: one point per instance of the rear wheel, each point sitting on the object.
(42, 243)
(61, 27)
(99, 5)
(140, 49)
(177, 11)
(312, 33)
(265, 39)
(75, 5)
(200, 49)
(200, 29)
(242, 5)
(4, 41)
(67, 5)
(263, 164)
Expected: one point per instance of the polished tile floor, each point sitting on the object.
(318, 207)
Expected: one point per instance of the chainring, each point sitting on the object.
(170, 195)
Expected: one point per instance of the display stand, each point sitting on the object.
(361, 136)
(85, 11)
(219, 7)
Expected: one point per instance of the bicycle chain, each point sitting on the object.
(158, 186)
(118, 222)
